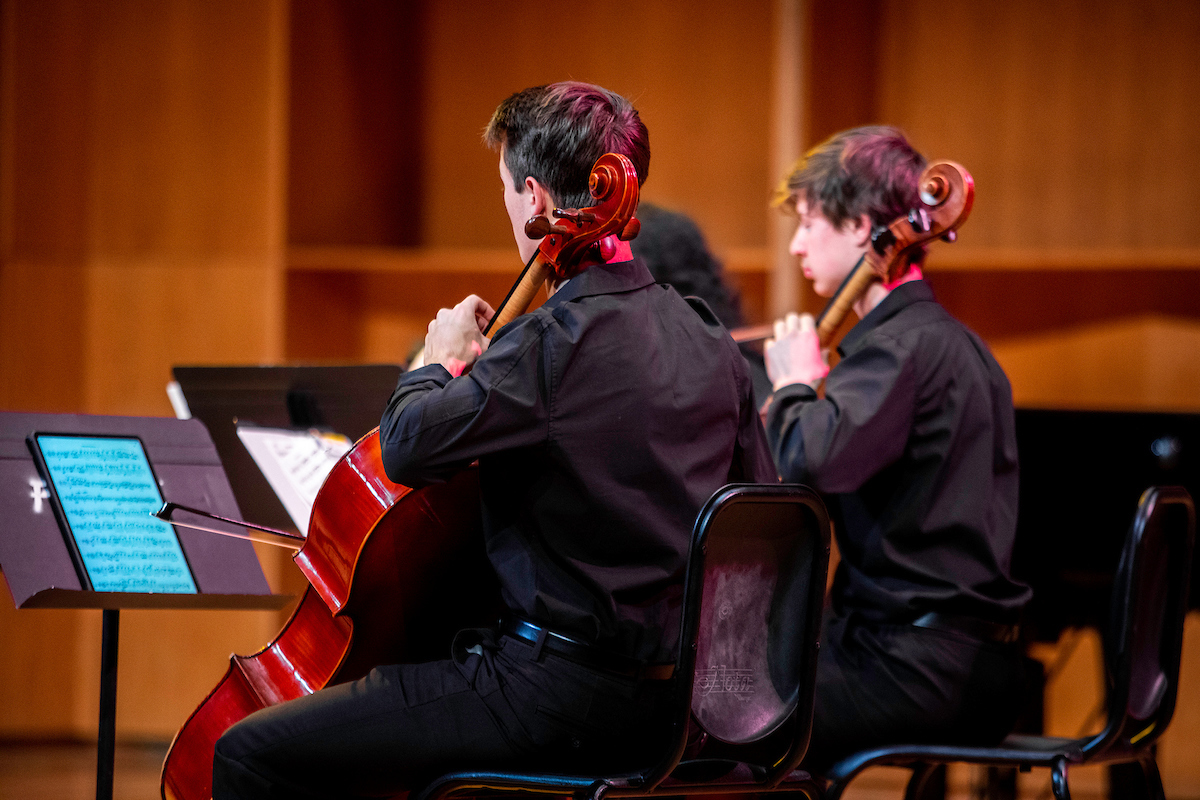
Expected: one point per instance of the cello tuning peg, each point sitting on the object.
(949, 236)
(539, 226)
(919, 219)
(631, 230)
(576, 215)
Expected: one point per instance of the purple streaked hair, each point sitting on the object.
(871, 170)
(555, 133)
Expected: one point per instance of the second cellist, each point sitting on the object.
(912, 445)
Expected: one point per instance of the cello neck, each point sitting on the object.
(852, 288)
(521, 295)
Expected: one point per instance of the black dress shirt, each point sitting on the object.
(602, 421)
(914, 448)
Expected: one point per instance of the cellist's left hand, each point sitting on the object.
(455, 338)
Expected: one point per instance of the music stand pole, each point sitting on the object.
(106, 749)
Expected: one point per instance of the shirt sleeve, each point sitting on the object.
(435, 425)
(862, 424)
(753, 461)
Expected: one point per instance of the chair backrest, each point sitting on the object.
(1145, 635)
(754, 594)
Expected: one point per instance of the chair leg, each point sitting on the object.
(1058, 779)
(928, 782)
(1154, 787)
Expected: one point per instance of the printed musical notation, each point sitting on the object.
(107, 493)
(295, 463)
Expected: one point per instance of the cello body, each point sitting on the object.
(393, 573)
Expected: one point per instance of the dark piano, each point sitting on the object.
(1082, 473)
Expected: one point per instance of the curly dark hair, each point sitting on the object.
(675, 252)
(555, 133)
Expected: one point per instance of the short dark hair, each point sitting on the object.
(555, 133)
(871, 170)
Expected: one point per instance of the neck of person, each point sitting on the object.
(877, 291)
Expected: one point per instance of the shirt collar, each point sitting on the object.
(618, 276)
(898, 299)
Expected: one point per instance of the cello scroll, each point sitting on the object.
(578, 236)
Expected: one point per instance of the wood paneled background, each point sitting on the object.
(220, 181)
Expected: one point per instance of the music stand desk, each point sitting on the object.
(38, 568)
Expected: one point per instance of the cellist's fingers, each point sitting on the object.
(479, 309)
(807, 324)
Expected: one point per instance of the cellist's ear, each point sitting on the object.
(539, 199)
(862, 229)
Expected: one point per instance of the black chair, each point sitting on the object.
(753, 593)
(1142, 651)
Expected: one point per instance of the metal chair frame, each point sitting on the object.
(1142, 655)
(734, 510)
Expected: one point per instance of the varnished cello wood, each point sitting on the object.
(415, 573)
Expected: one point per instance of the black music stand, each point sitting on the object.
(38, 566)
(344, 399)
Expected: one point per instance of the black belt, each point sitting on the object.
(581, 652)
(971, 627)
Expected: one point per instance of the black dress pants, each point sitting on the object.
(495, 704)
(883, 684)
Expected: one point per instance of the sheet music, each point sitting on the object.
(295, 463)
(179, 403)
(107, 492)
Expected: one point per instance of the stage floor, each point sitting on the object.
(67, 771)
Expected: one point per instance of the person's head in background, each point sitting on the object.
(674, 250)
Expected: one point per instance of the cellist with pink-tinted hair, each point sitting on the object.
(601, 422)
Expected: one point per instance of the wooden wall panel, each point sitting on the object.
(1075, 118)
(843, 67)
(698, 73)
(42, 314)
(143, 227)
(24, 677)
(356, 124)
(42, 237)
(470, 64)
(1142, 363)
(185, 105)
(143, 318)
(1177, 749)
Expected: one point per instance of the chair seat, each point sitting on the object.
(1015, 749)
(1028, 743)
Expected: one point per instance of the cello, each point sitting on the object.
(947, 192)
(389, 566)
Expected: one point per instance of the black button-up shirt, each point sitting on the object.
(913, 446)
(602, 422)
